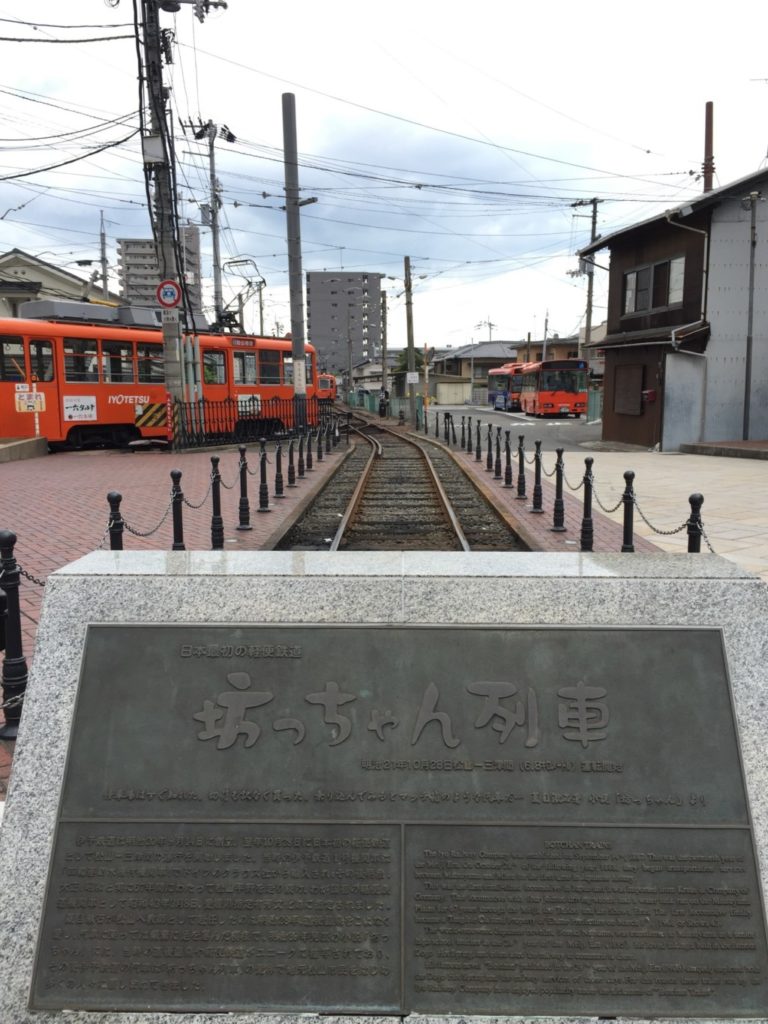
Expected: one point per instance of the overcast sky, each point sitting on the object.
(458, 134)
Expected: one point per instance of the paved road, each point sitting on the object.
(569, 434)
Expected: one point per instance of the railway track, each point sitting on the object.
(398, 494)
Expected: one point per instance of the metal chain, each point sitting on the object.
(29, 576)
(530, 461)
(570, 485)
(231, 487)
(554, 470)
(596, 496)
(661, 533)
(191, 505)
(148, 533)
(12, 702)
(706, 538)
(110, 524)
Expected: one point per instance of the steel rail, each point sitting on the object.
(363, 481)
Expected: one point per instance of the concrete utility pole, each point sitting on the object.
(295, 275)
(384, 340)
(411, 350)
(752, 199)
(590, 268)
(157, 157)
(211, 132)
(103, 243)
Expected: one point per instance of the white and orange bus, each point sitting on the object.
(504, 387)
(555, 387)
(78, 383)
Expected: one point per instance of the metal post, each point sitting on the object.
(520, 467)
(489, 450)
(446, 427)
(558, 518)
(508, 461)
(628, 498)
(478, 446)
(263, 488)
(497, 463)
(291, 467)
(310, 467)
(301, 457)
(217, 523)
(14, 677)
(587, 531)
(536, 507)
(116, 522)
(177, 500)
(469, 435)
(328, 440)
(463, 433)
(453, 428)
(319, 445)
(244, 507)
(437, 425)
(349, 427)
(279, 471)
(411, 353)
(695, 528)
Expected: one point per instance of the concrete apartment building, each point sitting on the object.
(344, 318)
(140, 273)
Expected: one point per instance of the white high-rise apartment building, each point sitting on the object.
(140, 272)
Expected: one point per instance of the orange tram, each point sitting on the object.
(81, 383)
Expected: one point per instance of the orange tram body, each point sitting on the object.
(78, 383)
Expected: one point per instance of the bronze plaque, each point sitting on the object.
(362, 819)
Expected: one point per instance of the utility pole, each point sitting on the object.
(157, 159)
(384, 340)
(103, 243)
(211, 132)
(752, 199)
(486, 323)
(546, 328)
(295, 275)
(411, 352)
(590, 268)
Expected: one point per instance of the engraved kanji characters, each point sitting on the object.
(503, 719)
(583, 713)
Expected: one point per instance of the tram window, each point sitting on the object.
(269, 367)
(308, 364)
(245, 367)
(150, 360)
(287, 369)
(80, 363)
(117, 362)
(11, 358)
(41, 360)
(214, 368)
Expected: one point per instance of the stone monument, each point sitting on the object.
(390, 784)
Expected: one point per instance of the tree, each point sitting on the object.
(402, 360)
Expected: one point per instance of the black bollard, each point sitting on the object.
(628, 499)
(558, 517)
(478, 446)
(309, 452)
(520, 467)
(469, 435)
(336, 435)
(328, 443)
(463, 433)
(426, 421)
(587, 530)
(446, 427)
(14, 677)
(349, 427)
(497, 463)
(489, 451)
(263, 488)
(437, 425)
(291, 467)
(279, 471)
(537, 494)
(116, 522)
(177, 500)
(301, 457)
(507, 461)
(217, 523)
(453, 429)
(319, 445)
(244, 507)
(695, 528)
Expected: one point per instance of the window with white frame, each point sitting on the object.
(656, 286)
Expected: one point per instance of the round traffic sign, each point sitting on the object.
(168, 294)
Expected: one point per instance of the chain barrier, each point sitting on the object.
(530, 461)
(596, 496)
(200, 504)
(570, 486)
(110, 524)
(12, 702)
(661, 533)
(30, 577)
(544, 471)
(706, 538)
(235, 482)
(148, 533)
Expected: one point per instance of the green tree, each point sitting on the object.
(402, 360)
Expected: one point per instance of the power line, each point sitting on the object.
(93, 39)
(43, 24)
(75, 159)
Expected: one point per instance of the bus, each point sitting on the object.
(555, 387)
(504, 387)
(326, 386)
(80, 383)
